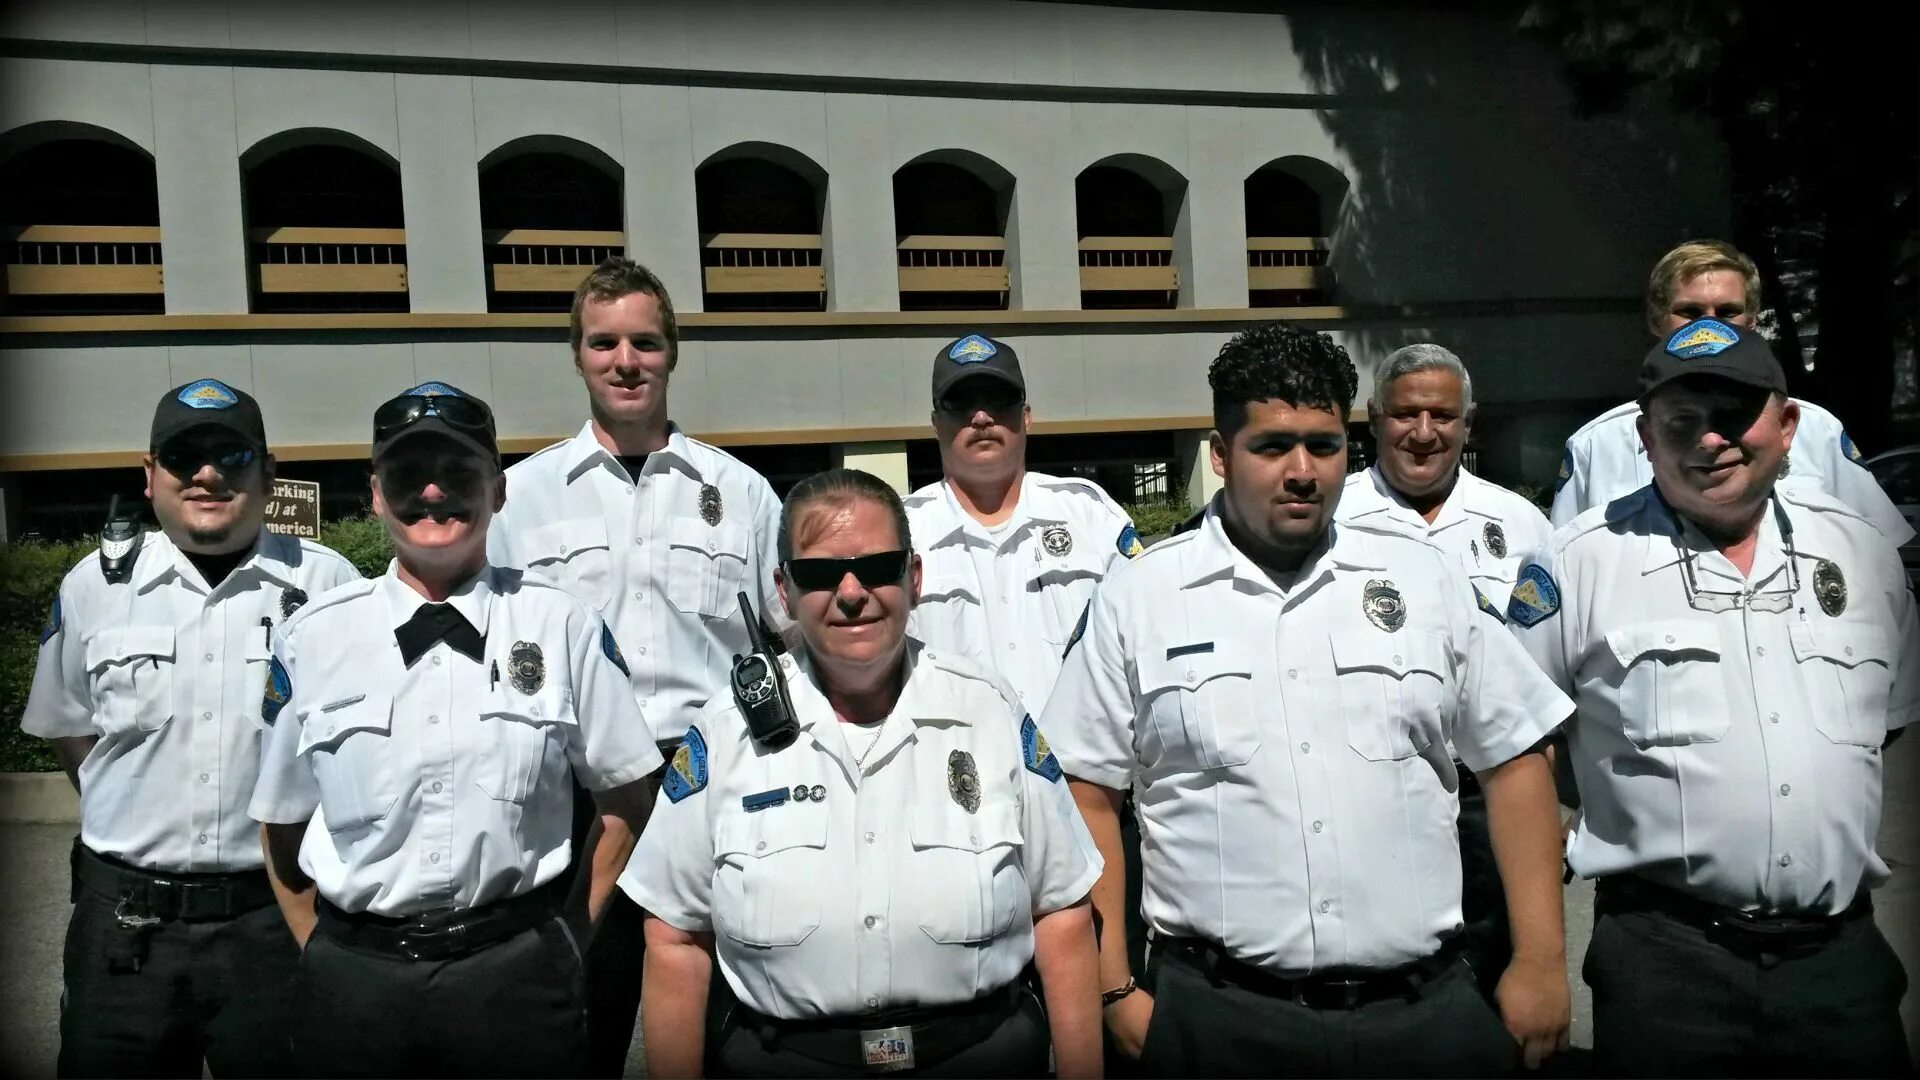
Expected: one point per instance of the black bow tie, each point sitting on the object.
(434, 623)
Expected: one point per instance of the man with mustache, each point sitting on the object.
(1421, 413)
(148, 683)
(1278, 691)
(658, 532)
(1605, 459)
(1740, 651)
(425, 731)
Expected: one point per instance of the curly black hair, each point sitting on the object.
(1275, 361)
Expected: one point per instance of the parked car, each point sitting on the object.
(1898, 472)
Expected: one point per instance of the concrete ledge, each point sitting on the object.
(38, 799)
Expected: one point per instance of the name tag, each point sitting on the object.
(1179, 651)
(343, 703)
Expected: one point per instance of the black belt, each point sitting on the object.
(441, 935)
(1739, 930)
(1347, 988)
(158, 894)
(937, 1033)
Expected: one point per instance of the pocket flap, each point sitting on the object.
(564, 539)
(945, 825)
(1668, 638)
(1841, 643)
(1392, 654)
(772, 830)
(1189, 669)
(327, 723)
(550, 704)
(119, 644)
(947, 587)
(727, 538)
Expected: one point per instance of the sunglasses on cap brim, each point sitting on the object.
(401, 413)
(872, 571)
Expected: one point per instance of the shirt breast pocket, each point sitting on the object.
(131, 668)
(1671, 693)
(967, 868)
(766, 863)
(1203, 705)
(523, 742)
(575, 555)
(706, 567)
(350, 747)
(1393, 691)
(1063, 586)
(1848, 673)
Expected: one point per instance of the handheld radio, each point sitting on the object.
(760, 687)
(119, 543)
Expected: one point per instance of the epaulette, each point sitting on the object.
(1809, 497)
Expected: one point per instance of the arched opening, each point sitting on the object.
(1130, 212)
(81, 223)
(761, 210)
(1292, 206)
(550, 211)
(951, 210)
(324, 224)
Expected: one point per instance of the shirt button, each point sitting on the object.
(1396, 659)
(640, 596)
(1292, 674)
(203, 838)
(1317, 826)
(1306, 747)
(436, 661)
(1786, 789)
(642, 650)
(872, 1002)
(639, 539)
(1786, 860)
(1011, 646)
(869, 838)
(1773, 718)
(711, 545)
(1669, 639)
(1325, 906)
(1849, 650)
(973, 840)
(206, 716)
(209, 658)
(433, 719)
(203, 778)
(761, 846)
(1191, 676)
(1760, 651)
(563, 549)
(629, 491)
(436, 787)
(870, 921)
(435, 857)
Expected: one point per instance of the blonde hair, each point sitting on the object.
(619, 276)
(1689, 261)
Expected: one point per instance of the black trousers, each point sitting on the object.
(1668, 1001)
(1487, 937)
(1202, 1027)
(517, 1008)
(216, 990)
(616, 956)
(1018, 1047)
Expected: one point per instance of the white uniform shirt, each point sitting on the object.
(662, 556)
(1734, 756)
(1287, 754)
(1010, 597)
(1606, 459)
(443, 786)
(167, 672)
(1490, 531)
(882, 890)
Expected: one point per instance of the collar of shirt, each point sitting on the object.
(1464, 499)
(1667, 532)
(1214, 555)
(584, 452)
(472, 600)
(962, 528)
(917, 707)
(268, 559)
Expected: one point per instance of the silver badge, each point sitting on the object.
(963, 780)
(1057, 540)
(526, 667)
(1830, 588)
(710, 509)
(1383, 605)
(1496, 540)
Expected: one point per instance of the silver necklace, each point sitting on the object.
(860, 759)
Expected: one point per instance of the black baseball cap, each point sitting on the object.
(435, 408)
(208, 403)
(976, 356)
(1711, 347)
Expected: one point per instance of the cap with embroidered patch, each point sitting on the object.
(1711, 347)
(435, 408)
(208, 403)
(974, 356)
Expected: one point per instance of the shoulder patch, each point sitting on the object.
(687, 772)
(1079, 631)
(279, 691)
(1035, 751)
(1566, 469)
(1535, 597)
(53, 621)
(1848, 448)
(1129, 541)
(1486, 605)
(612, 649)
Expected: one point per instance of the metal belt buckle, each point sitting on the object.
(129, 920)
(1349, 991)
(887, 1049)
(427, 944)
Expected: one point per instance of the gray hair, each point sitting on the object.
(1425, 356)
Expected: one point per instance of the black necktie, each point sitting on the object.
(434, 623)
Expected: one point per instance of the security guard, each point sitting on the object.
(1421, 414)
(1605, 459)
(659, 533)
(1011, 556)
(1278, 693)
(415, 781)
(148, 681)
(1739, 653)
(874, 879)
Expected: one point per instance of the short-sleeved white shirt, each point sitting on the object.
(662, 556)
(881, 889)
(1490, 531)
(1287, 752)
(167, 673)
(1732, 755)
(1605, 460)
(447, 784)
(1010, 596)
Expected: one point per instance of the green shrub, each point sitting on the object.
(30, 575)
(1158, 517)
(364, 542)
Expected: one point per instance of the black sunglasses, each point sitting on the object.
(407, 410)
(873, 571)
(184, 458)
(968, 402)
